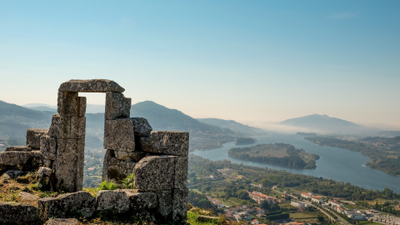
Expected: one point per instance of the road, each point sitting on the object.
(342, 221)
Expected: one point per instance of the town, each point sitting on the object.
(300, 204)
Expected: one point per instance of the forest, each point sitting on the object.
(276, 154)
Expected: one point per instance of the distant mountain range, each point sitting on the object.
(238, 128)
(323, 123)
(14, 120)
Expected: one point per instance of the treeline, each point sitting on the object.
(245, 141)
(384, 153)
(295, 158)
(199, 168)
(200, 201)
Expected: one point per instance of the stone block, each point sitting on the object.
(62, 221)
(48, 147)
(165, 206)
(117, 106)
(67, 204)
(133, 156)
(38, 160)
(28, 198)
(94, 85)
(141, 200)
(166, 142)
(18, 149)
(116, 170)
(155, 173)
(11, 158)
(68, 104)
(15, 213)
(56, 126)
(44, 172)
(112, 201)
(82, 106)
(180, 202)
(141, 126)
(33, 137)
(181, 171)
(118, 135)
(78, 127)
(69, 164)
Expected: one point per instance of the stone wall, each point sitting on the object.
(158, 160)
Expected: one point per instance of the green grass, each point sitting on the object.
(192, 219)
(302, 216)
(368, 223)
(350, 206)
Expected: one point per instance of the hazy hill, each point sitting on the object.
(14, 120)
(90, 108)
(323, 123)
(238, 128)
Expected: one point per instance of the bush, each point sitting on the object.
(129, 182)
(108, 186)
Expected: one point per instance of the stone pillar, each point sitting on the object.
(68, 127)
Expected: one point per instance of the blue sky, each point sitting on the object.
(251, 61)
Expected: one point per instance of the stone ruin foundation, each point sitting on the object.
(158, 160)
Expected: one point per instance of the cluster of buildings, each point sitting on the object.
(243, 212)
(389, 220)
(259, 197)
(312, 197)
(216, 202)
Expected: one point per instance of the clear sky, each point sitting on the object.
(263, 61)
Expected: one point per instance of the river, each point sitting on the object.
(334, 163)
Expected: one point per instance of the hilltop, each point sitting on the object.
(323, 123)
(238, 128)
(15, 120)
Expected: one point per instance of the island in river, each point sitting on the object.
(277, 154)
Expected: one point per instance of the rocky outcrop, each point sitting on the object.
(67, 204)
(158, 160)
(114, 201)
(19, 214)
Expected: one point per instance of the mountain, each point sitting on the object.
(15, 120)
(323, 123)
(238, 128)
(90, 108)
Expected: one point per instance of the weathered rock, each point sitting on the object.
(114, 169)
(114, 201)
(165, 205)
(141, 126)
(11, 158)
(119, 136)
(117, 106)
(11, 174)
(69, 164)
(27, 198)
(62, 221)
(181, 170)
(33, 137)
(66, 204)
(18, 149)
(55, 130)
(155, 173)
(38, 160)
(94, 85)
(180, 201)
(69, 104)
(48, 147)
(78, 127)
(44, 172)
(141, 200)
(15, 213)
(166, 142)
(135, 155)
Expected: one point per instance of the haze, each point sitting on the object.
(255, 62)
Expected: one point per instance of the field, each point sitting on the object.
(304, 217)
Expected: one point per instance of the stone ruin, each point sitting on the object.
(158, 160)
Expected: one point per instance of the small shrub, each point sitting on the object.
(129, 182)
(108, 186)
